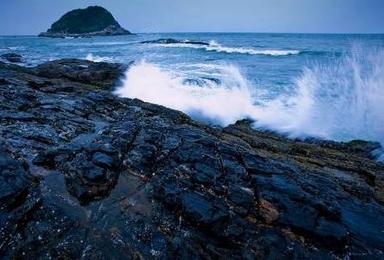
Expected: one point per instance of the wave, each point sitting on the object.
(209, 102)
(214, 46)
(16, 48)
(96, 58)
(342, 100)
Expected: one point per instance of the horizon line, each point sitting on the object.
(229, 32)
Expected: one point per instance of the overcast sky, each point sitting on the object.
(333, 16)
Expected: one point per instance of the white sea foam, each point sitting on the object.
(96, 58)
(214, 46)
(17, 48)
(222, 104)
(343, 100)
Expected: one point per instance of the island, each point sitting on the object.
(91, 21)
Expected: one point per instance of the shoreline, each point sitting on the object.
(101, 169)
(374, 147)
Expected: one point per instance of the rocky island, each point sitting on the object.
(86, 174)
(91, 21)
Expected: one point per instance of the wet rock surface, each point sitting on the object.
(85, 174)
(12, 57)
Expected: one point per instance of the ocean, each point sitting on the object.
(326, 86)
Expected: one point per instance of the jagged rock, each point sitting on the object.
(12, 57)
(124, 178)
(91, 21)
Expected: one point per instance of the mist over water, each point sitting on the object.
(340, 100)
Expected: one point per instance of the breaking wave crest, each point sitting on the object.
(214, 46)
(205, 99)
(343, 100)
(96, 58)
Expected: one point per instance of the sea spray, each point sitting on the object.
(340, 100)
(221, 103)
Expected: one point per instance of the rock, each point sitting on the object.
(19, 196)
(363, 147)
(91, 21)
(12, 57)
(103, 160)
(15, 182)
(174, 41)
(268, 211)
(99, 74)
(121, 178)
(200, 210)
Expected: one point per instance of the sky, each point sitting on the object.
(29, 17)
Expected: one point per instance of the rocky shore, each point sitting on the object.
(86, 174)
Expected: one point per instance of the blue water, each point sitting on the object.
(326, 86)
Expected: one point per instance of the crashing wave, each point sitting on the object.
(221, 103)
(342, 101)
(214, 46)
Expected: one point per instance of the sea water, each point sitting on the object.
(328, 86)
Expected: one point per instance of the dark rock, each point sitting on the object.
(202, 211)
(174, 41)
(363, 147)
(98, 74)
(91, 21)
(12, 57)
(15, 182)
(94, 174)
(125, 178)
(241, 196)
(103, 160)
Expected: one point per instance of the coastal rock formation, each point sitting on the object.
(12, 57)
(84, 173)
(91, 21)
(174, 41)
